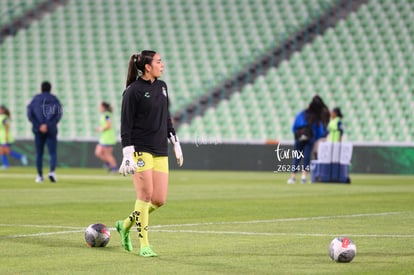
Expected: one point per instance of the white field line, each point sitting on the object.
(158, 228)
(283, 220)
(66, 176)
(41, 234)
(41, 226)
(281, 233)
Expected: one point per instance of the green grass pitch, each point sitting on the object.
(213, 223)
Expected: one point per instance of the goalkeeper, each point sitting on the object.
(145, 127)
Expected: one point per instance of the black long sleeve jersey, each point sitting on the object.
(145, 117)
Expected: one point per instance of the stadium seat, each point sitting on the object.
(353, 81)
(364, 64)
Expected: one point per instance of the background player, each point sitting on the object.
(107, 140)
(145, 127)
(335, 128)
(307, 128)
(45, 112)
(6, 139)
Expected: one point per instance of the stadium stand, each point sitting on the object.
(364, 65)
(83, 49)
(16, 15)
(84, 46)
(12, 9)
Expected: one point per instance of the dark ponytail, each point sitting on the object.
(132, 70)
(6, 111)
(106, 106)
(136, 66)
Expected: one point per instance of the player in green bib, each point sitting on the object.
(7, 139)
(107, 138)
(335, 128)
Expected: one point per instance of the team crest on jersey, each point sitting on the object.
(147, 95)
(164, 91)
(140, 162)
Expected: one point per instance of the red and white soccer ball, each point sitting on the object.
(97, 235)
(342, 250)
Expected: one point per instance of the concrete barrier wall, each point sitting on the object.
(365, 159)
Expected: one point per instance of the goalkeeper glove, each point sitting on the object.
(128, 165)
(177, 149)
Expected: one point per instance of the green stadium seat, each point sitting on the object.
(84, 49)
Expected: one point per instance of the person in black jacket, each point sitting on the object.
(307, 128)
(146, 127)
(45, 112)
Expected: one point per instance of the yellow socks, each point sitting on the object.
(140, 217)
(152, 208)
(128, 222)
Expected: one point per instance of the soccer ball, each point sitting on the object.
(97, 235)
(342, 250)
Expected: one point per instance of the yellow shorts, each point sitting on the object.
(147, 161)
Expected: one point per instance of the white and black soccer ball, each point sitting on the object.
(342, 250)
(97, 235)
